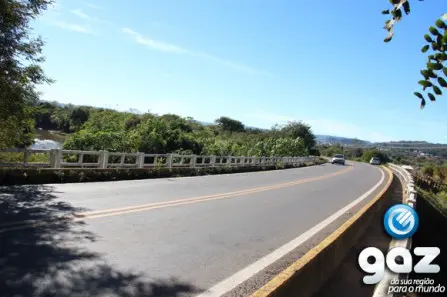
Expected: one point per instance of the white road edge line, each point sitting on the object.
(246, 273)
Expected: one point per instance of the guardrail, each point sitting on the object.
(59, 158)
(409, 198)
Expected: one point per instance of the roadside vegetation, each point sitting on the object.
(91, 128)
(20, 64)
(432, 184)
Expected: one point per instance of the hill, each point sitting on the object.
(328, 139)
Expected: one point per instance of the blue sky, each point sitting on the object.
(261, 62)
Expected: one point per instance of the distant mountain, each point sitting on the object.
(328, 139)
(411, 144)
(206, 123)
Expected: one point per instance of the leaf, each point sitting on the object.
(431, 96)
(434, 46)
(437, 90)
(389, 37)
(425, 83)
(425, 74)
(440, 24)
(428, 38)
(419, 95)
(433, 30)
(425, 48)
(442, 82)
(397, 14)
(422, 103)
(439, 40)
(445, 71)
(441, 57)
(434, 66)
(431, 73)
(406, 6)
(386, 11)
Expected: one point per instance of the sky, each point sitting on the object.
(258, 61)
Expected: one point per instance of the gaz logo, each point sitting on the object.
(401, 221)
(398, 260)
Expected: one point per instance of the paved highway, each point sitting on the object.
(166, 237)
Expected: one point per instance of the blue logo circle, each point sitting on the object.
(401, 221)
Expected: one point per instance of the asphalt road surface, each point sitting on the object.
(166, 237)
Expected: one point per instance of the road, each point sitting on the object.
(167, 237)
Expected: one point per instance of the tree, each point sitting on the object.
(435, 73)
(20, 71)
(228, 124)
(300, 130)
(428, 170)
(79, 115)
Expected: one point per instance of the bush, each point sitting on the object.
(6, 157)
(428, 170)
(438, 200)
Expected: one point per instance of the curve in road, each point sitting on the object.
(213, 233)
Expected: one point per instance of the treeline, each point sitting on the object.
(94, 128)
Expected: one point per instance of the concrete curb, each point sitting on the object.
(307, 275)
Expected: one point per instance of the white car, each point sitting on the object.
(338, 158)
(374, 161)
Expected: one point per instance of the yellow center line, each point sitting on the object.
(157, 205)
(207, 197)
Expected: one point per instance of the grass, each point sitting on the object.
(439, 200)
(19, 158)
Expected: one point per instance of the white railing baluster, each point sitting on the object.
(195, 161)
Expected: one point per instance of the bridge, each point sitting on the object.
(218, 235)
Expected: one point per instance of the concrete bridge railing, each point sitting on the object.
(409, 198)
(59, 158)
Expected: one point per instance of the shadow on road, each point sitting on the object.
(45, 261)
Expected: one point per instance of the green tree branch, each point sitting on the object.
(435, 72)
